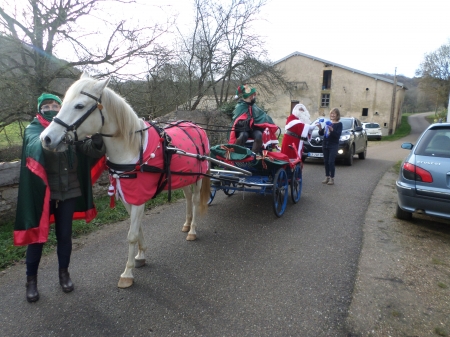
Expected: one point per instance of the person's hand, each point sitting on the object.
(97, 139)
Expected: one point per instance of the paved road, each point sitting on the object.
(248, 274)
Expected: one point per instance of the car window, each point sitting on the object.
(346, 124)
(372, 125)
(434, 143)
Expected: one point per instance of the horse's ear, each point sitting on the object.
(101, 84)
(85, 75)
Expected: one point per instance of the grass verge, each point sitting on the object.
(10, 254)
(403, 130)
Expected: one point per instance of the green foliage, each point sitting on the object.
(228, 107)
(10, 254)
(12, 134)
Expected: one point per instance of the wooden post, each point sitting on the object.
(391, 119)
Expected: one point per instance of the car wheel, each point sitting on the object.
(363, 154)
(349, 159)
(402, 215)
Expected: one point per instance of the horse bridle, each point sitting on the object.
(98, 105)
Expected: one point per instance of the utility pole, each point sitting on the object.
(394, 93)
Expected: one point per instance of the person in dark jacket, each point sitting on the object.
(331, 134)
(56, 178)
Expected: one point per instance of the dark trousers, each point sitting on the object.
(329, 158)
(63, 211)
(255, 134)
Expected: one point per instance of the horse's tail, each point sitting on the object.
(205, 193)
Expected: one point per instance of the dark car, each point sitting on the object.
(423, 184)
(353, 141)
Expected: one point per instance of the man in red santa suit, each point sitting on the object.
(298, 128)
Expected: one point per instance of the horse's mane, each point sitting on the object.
(118, 110)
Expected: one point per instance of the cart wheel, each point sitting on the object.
(212, 194)
(280, 192)
(296, 184)
(228, 191)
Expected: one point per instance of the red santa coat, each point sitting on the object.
(293, 124)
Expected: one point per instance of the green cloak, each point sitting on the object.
(33, 217)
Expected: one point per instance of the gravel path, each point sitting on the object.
(403, 282)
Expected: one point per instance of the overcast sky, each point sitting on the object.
(371, 36)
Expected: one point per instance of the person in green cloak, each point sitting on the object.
(251, 122)
(53, 187)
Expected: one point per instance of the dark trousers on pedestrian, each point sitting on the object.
(329, 158)
(63, 212)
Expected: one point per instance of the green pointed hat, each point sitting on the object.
(46, 97)
(245, 90)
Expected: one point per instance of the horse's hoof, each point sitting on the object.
(139, 263)
(186, 228)
(125, 282)
(191, 237)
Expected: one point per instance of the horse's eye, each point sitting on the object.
(79, 106)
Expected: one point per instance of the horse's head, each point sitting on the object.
(80, 114)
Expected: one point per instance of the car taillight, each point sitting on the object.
(413, 172)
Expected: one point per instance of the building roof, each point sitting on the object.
(376, 77)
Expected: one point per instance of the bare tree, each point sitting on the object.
(32, 36)
(223, 51)
(434, 73)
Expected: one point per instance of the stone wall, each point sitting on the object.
(9, 188)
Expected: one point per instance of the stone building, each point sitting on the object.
(322, 85)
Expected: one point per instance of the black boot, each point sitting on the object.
(32, 292)
(257, 145)
(65, 281)
(240, 140)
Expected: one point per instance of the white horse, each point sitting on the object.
(89, 107)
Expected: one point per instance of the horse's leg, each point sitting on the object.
(136, 213)
(187, 190)
(195, 206)
(139, 259)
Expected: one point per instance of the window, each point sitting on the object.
(326, 83)
(365, 111)
(325, 100)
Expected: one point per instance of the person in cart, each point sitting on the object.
(251, 122)
(298, 129)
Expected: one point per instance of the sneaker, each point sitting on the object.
(326, 180)
(331, 181)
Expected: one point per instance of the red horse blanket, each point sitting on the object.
(184, 170)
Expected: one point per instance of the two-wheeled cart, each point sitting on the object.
(268, 173)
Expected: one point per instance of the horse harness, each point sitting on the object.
(130, 171)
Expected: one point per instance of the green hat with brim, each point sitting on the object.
(47, 97)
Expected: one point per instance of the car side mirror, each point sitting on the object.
(358, 128)
(407, 146)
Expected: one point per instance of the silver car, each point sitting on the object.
(423, 184)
